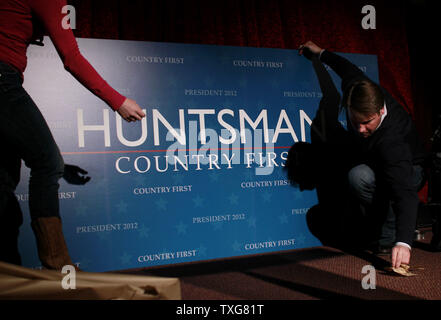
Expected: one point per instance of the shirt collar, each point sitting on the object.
(382, 117)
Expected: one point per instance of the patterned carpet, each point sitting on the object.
(307, 274)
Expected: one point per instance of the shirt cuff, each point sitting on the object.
(404, 245)
(320, 54)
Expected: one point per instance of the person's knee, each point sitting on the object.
(50, 166)
(361, 178)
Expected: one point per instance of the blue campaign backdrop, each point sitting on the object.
(202, 176)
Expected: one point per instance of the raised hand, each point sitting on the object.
(309, 48)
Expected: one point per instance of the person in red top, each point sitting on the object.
(25, 133)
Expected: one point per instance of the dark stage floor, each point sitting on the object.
(306, 274)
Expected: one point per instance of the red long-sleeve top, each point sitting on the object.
(19, 21)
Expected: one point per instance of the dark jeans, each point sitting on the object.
(25, 136)
(362, 184)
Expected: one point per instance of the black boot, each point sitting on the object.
(52, 248)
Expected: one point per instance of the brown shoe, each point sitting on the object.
(52, 249)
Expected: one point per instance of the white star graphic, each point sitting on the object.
(182, 228)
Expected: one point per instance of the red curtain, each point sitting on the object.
(333, 24)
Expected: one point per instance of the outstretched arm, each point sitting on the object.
(49, 12)
(347, 71)
(329, 104)
(326, 118)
